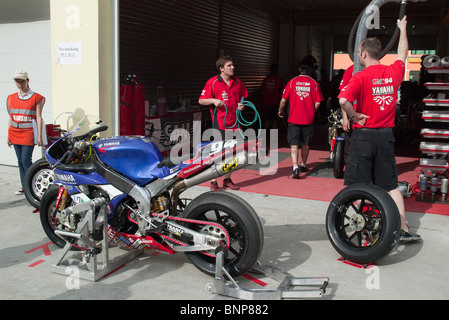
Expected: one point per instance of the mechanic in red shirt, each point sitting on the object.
(344, 82)
(224, 93)
(272, 87)
(304, 95)
(371, 155)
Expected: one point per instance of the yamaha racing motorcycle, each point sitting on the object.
(142, 192)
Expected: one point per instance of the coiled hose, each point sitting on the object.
(240, 120)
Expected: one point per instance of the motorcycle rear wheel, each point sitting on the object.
(38, 178)
(363, 223)
(241, 222)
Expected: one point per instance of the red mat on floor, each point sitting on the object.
(313, 187)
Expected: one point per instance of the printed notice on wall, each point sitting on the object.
(69, 53)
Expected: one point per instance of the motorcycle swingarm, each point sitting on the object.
(201, 242)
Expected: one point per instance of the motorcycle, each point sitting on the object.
(39, 175)
(142, 192)
(337, 143)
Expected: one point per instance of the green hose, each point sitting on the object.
(240, 121)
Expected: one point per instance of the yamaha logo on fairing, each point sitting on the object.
(65, 177)
(109, 144)
(104, 146)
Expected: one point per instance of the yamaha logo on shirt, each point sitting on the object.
(303, 90)
(382, 81)
(224, 96)
(383, 95)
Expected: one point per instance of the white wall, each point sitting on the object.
(25, 46)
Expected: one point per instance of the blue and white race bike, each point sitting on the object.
(142, 191)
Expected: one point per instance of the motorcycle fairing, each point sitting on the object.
(134, 157)
(137, 158)
(68, 178)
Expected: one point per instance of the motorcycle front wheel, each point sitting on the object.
(338, 158)
(363, 223)
(38, 178)
(242, 224)
(46, 212)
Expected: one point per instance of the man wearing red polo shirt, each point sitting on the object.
(371, 155)
(344, 82)
(304, 95)
(224, 93)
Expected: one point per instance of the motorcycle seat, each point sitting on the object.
(77, 167)
(169, 163)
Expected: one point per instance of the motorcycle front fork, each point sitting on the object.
(61, 201)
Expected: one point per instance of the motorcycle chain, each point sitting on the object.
(194, 222)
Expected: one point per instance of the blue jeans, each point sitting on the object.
(24, 154)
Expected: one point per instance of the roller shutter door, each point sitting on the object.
(317, 47)
(176, 43)
(173, 44)
(252, 39)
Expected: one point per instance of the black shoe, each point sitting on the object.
(295, 174)
(302, 168)
(409, 236)
(214, 186)
(227, 183)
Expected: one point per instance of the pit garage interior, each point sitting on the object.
(174, 44)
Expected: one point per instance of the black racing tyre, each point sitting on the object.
(363, 223)
(339, 159)
(242, 224)
(46, 211)
(37, 179)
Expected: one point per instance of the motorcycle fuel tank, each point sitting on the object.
(134, 157)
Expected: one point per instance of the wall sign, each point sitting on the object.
(69, 53)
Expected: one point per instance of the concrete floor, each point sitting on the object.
(295, 242)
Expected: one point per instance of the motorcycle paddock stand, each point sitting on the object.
(90, 231)
(231, 289)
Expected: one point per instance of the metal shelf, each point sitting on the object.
(437, 85)
(436, 102)
(435, 116)
(437, 152)
(434, 148)
(433, 164)
(437, 70)
(435, 133)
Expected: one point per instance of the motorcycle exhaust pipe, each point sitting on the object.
(220, 168)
